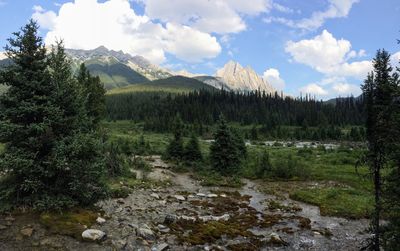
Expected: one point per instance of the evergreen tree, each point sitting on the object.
(224, 154)
(175, 149)
(192, 151)
(264, 165)
(40, 123)
(93, 94)
(379, 90)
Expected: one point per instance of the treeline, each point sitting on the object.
(272, 112)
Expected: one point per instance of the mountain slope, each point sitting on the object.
(176, 84)
(102, 55)
(115, 75)
(214, 82)
(239, 78)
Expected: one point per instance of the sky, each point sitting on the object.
(321, 47)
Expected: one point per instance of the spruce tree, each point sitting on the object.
(380, 90)
(40, 123)
(224, 154)
(192, 150)
(175, 149)
(93, 94)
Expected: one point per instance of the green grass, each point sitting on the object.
(344, 202)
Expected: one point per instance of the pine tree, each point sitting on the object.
(175, 149)
(41, 123)
(93, 94)
(264, 165)
(192, 151)
(224, 154)
(379, 90)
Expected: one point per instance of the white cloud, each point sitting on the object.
(329, 55)
(46, 19)
(282, 8)
(395, 59)
(273, 77)
(314, 89)
(331, 87)
(87, 24)
(336, 9)
(219, 16)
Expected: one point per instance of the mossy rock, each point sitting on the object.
(71, 223)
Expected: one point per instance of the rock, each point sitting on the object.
(191, 196)
(100, 220)
(93, 235)
(276, 239)
(187, 218)
(51, 242)
(9, 218)
(212, 195)
(206, 218)
(306, 243)
(179, 197)
(223, 195)
(169, 219)
(160, 247)
(154, 195)
(163, 229)
(145, 232)
(2, 227)
(120, 201)
(162, 202)
(119, 244)
(27, 231)
(201, 195)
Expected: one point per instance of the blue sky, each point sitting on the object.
(323, 47)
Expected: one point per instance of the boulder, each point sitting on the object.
(212, 195)
(93, 235)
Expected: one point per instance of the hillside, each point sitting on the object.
(177, 84)
(115, 75)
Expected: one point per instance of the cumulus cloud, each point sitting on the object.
(87, 24)
(329, 55)
(335, 9)
(315, 89)
(395, 59)
(331, 87)
(273, 77)
(219, 16)
(46, 19)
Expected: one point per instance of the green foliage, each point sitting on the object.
(93, 93)
(51, 159)
(192, 152)
(382, 90)
(175, 149)
(289, 168)
(225, 151)
(264, 165)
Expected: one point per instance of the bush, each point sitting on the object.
(289, 168)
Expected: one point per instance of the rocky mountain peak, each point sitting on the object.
(243, 79)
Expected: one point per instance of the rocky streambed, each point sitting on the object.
(188, 216)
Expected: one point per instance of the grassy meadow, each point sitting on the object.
(326, 178)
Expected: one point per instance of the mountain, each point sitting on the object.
(214, 82)
(241, 78)
(137, 63)
(175, 84)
